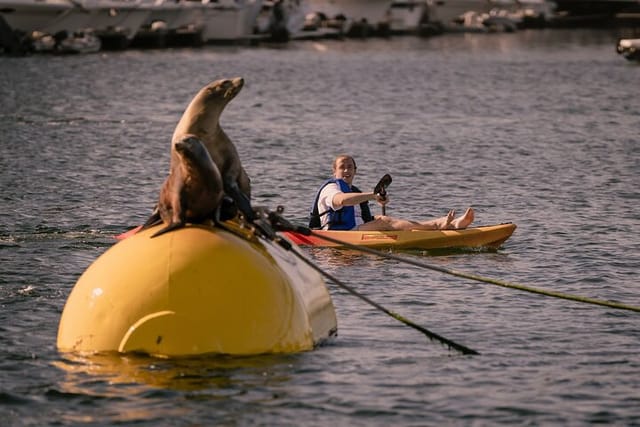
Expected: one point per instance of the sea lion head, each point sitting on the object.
(197, 159)
(190, 147)
(193, 191)
(222, 91)
(201, 118)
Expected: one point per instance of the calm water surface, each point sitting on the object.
(536, 128)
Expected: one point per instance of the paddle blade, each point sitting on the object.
(381, 186)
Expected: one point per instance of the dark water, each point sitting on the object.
(536, 128)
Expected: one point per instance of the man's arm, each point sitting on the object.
(351, 199)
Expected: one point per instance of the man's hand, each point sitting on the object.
(383, 200)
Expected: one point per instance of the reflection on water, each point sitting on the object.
(221, 375)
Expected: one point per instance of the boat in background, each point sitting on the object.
(496, 21)
(79, 42)
(116, 22)
(448, 13)
(411, 17)
(44, 16)
(358, 17)
(488, 236)
(172, 23)
(525, 13)
(228, 21)
(281, 20)
(629, 49)
(195, 22)
(65, 43)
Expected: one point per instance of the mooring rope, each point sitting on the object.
(505, 284)
(431, 335)
(269, 222)
(265, 228)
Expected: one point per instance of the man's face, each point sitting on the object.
(345, 170)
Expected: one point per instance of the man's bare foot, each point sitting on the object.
(464, 220)
(446, 220)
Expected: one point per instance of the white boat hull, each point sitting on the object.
(447, 11)
(47, 17)
(290, 20)
(629, 49)
(106, 18)
(177, 16)
(230, 21)
(373, 12)
(117, 18)
(407, 15)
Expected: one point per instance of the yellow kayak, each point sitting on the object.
(489, 236)
(197, 290)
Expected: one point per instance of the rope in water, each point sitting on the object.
(264, 229)
(431, 335)
(578, 298)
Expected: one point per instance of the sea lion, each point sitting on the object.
(193, 191)
(202, 119)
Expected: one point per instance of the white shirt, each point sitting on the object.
(325, 201)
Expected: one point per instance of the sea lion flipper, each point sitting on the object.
(168, 228)
(227, 209)
(154, 219)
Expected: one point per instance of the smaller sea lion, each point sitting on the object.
(193, 191)
(201, 118)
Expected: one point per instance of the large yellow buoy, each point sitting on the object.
(197, 290)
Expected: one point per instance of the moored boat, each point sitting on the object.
(170, 23)
(36, 22)
(197, 290)
(360, 17)
(629, 49)
(448, 13)
(78, 42)
(229, 21)
(45, 16)
(409, 16)
(116, 22)
(281, 20)
(489, 236)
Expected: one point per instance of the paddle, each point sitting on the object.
(381, 189)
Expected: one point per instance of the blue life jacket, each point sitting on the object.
(345, 217)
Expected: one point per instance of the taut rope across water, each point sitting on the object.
(267, 223)
(505, 284)
(281, 224)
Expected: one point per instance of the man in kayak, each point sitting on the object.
(340, 205)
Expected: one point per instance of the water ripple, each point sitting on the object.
(526, 127)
